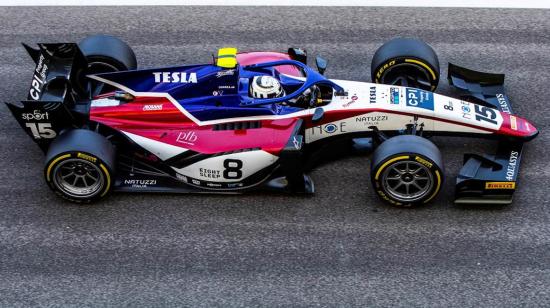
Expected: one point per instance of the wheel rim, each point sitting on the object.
(407, 181)
(407, 75)
(78, 178)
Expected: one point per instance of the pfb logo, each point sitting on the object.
(175, 77)
(187, 138)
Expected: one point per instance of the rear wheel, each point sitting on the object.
(80, 165)
(407, 170)
(106, 54)
(406, 62)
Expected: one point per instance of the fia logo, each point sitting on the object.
(187, 138)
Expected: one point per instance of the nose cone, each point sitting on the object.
(518, 127)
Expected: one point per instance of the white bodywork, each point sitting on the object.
(392, 107)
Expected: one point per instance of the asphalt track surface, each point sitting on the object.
(340, 247)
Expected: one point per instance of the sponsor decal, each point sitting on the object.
(181, 177)
(296, 142)
(175, 77)
(394, 95)
(372, 95)
(371, 120)
(500, 185)
(383, 68)
(86, 157)
(38, 79)
(512, 162)
(209, 173)
(466, 110)
(329, 128)
(513, 122)
(149, 157)
(210, 184)
(225, 73)
(423, 161)
(420, 98)
(503, 103)
(196, 182)
(226, 87)
(35, 115)
(216, 93)
(187, 137)
(234, 185)
(140, 183)
(152, 107)
(354, 98)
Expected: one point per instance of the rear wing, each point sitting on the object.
(486, 179)
(54, 99)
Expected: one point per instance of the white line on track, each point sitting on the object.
(405, 3)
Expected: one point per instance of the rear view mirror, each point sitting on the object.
(321, 64)
(317, 114)
(298, 54)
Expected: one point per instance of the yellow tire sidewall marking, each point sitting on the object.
(101, 165)
(438, 176)
(384, 165)
(108, 179)
(50, 166)
(424, 65)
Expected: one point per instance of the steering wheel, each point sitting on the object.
(315, 93)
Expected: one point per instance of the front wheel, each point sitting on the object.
(407, 170)
(406, 62)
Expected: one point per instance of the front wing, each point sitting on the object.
(486, 179)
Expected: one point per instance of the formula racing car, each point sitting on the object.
(260, 120)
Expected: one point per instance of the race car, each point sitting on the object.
(260, 120)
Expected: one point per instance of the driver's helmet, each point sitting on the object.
(266, 87)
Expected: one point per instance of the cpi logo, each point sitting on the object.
(420, 99)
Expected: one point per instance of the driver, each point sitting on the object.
(270, 87)
(266, 87)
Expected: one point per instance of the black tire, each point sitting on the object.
(406, 161)
(80, 166)
(107, 53)
(406, 62)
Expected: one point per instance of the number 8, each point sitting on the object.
(232, 169)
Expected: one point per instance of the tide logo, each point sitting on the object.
(175, 77)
